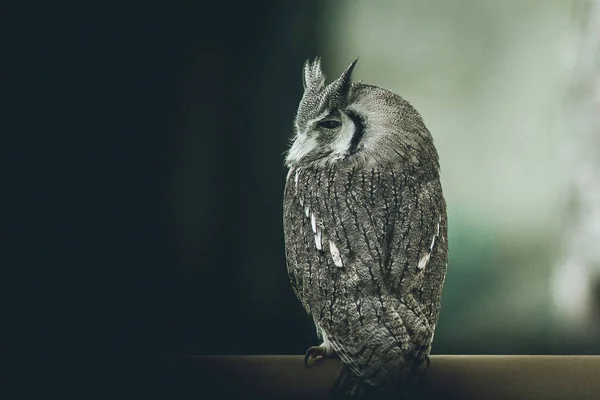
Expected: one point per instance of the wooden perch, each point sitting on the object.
(449, 377)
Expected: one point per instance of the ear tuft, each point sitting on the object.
(313, 77)
(341, 85)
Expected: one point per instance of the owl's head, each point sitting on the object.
(350, 123)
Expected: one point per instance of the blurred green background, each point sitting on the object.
(490, 79)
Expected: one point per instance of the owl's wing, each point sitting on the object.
(397, 227)
(416, 251)
(390, 231)
(297, 261)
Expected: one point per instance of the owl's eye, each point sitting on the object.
(329, 124)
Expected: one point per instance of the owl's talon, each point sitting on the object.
(314, 352)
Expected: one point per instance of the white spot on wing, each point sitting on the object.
(313, 222)
(437, 232)
(306, 211)
(432, 333)
(318, 241)
(335, 254)
(423, 262)
(296, 178)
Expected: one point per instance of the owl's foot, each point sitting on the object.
(321, 351)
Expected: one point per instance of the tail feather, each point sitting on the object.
(349, 386)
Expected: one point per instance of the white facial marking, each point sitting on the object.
(318, 241)
(313, 222)
(301, 147)
(342, 142)
(335, 254)
(303, 144)
(424, 260)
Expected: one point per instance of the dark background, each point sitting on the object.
(149, 174)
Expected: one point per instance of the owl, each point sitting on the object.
(365, 230)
